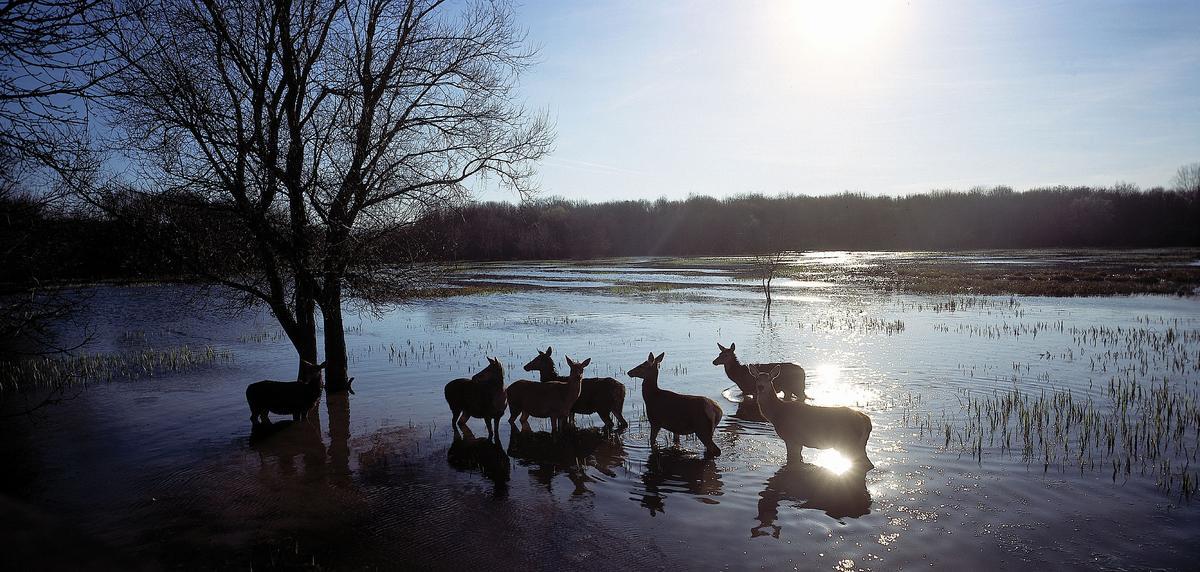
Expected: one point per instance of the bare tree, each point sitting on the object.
(49, 69)
(766, 267)
(319, 128)
(1187, 178)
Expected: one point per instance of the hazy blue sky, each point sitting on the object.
(673, 98)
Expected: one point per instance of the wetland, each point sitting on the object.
(1014, 427)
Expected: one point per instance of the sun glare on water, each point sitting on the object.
(833, 461)
(826, 385)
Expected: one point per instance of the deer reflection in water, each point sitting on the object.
(471, 453)
(279, 443)
(812, 487)
(570, 454)
(283, 441)
(676, 470)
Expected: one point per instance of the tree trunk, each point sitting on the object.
(301, 331)
(336, 362)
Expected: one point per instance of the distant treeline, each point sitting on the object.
(979, 219)
(54, 244)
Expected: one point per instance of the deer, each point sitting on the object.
(790, 382)
(552, 399)
(295, 398)
(601, 395)
(802, 425)
(680, 414)
(482, 395)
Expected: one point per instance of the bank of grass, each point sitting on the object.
(623, 288)
(952, 278)
(455, 290)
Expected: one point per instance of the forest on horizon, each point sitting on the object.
(58, 244)
(996, 218)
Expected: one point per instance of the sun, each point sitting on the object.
(835, 27)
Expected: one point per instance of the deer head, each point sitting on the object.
(494, 370)
(577, 367)
(764, 382)
(648, 367)
(726, 355)
(542, 362)
(310, 372)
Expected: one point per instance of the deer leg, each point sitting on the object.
(794, 454)
(608, 424)
(621, 422)
(654, 436)
(463, 420)
(677, 439)
(710, 447)
(512, 413)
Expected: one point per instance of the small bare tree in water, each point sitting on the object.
(766, 267)
(314, 130)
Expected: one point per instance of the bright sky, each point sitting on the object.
(669, 99)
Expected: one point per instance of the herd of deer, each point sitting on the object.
(559, 398)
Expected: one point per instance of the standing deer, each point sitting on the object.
(602, 395)
(295, 398)
(802, 425)
(552, 399)
(482, 396)
(680, 414)
(790, 382)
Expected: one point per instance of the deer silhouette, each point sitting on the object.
(551, 399)
(680, 414)
(481, 395)
(802, 425)
(790, 381)
(604, 396)
(295, 398)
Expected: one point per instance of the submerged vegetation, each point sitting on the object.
(1141, 417)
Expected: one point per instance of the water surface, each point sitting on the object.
(164, 470)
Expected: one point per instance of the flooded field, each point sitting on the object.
(1009, 432)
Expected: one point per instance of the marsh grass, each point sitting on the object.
(941, 277)
(624, 288)
(1142, 418)
(51, 372)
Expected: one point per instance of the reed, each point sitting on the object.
(50, 372)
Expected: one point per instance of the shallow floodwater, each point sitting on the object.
(163, 470)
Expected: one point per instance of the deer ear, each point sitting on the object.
(650, 357)
(549, 350)
(586, 362)
(321, 365)
(775, 373)
(733, 347)
(753, 370)
(569, 362)
(720, 347)
(659, 358)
